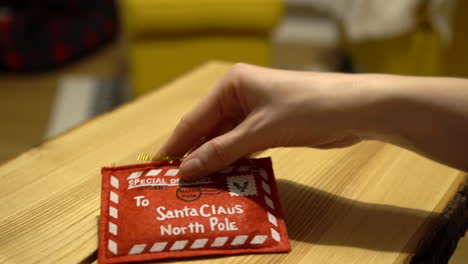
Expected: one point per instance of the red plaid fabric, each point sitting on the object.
(40, 35)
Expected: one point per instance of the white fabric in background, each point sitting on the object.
(73, 104)
(373, 19)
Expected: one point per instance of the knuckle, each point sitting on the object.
(238, 72)
(239, 66)
(185, 123)
(218, 150)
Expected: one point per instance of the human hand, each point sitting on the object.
(254, 108)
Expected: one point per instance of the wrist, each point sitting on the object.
(377, 109)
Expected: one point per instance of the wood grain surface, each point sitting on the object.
(370, 203)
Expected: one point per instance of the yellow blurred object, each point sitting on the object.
(420, 52)
(416, 53)
(170, 37)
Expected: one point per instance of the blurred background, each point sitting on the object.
(64, 61)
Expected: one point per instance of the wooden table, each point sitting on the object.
(371, 203)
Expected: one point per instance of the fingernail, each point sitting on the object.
(190, 168)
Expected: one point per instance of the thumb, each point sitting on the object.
(216, 154)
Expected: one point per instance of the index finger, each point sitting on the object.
(201, 121)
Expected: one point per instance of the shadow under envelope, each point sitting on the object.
(318, 217)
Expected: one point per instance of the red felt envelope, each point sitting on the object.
(149, 213)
